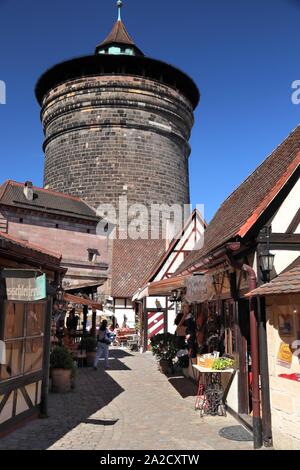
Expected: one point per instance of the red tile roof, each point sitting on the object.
(29, 246)
(132, 263)
(246, 204)
(287, 282)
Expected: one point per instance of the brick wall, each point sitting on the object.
(70, 239)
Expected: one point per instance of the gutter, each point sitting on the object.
(216, 257)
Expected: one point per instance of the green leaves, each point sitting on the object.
(223, 363)
(164, 346)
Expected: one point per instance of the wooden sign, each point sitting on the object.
(24, 286)
(199, 288)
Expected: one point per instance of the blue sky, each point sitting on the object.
(243, 55)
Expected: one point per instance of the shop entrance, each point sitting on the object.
(156, 323)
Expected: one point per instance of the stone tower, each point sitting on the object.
(117, 123)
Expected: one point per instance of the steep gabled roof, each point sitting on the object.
(177, 239)
(242, 209)
(132, 263)
(45, 200)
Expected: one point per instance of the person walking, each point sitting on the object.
(103, 342)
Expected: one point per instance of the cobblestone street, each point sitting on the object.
(132, 406)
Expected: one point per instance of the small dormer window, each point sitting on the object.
(92, 254)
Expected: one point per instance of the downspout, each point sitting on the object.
(257, 425)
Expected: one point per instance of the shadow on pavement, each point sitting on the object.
(184, 386)
(102, 422)
(93, 391)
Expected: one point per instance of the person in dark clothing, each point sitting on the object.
(72, 321)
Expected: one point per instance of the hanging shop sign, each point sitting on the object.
(24, 286)
(199, 288)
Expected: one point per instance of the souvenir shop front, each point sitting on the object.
(216, 323)
(25, 319)
(222, 328)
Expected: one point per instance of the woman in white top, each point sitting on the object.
(103, 342)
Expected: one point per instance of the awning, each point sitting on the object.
(75, 299)
(199, 288)
(141, 293)
(166, 286)
(83, 285)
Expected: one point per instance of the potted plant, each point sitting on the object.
(62, 370)
(164, 348)
(89, 344)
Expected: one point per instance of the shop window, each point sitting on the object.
(14, 355)
(23, 339)
(33, 355)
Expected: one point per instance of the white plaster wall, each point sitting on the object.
(283, 259)
(130, 314)
(150, 302)
(6, 413)
(287, 211)
(232, 396)
(284, 393)
(171, 318)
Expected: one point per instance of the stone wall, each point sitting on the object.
(284, 393)
(107, 136)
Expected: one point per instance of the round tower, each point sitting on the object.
(117, 123)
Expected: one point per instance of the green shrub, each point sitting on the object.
(61, 358)
(164, 346)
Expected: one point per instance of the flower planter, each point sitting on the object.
(164, 366)
(61, 380)
(90, 358)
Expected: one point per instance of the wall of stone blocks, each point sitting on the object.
(107, 136)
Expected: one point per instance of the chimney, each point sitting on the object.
(28, 191)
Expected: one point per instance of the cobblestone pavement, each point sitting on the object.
(132, 406)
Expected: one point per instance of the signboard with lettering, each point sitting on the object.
(199, 288)
(26, 286)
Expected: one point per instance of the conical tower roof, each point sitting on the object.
(118, 41)
(118, 35)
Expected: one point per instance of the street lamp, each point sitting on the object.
(60, 297)
(266, 262)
